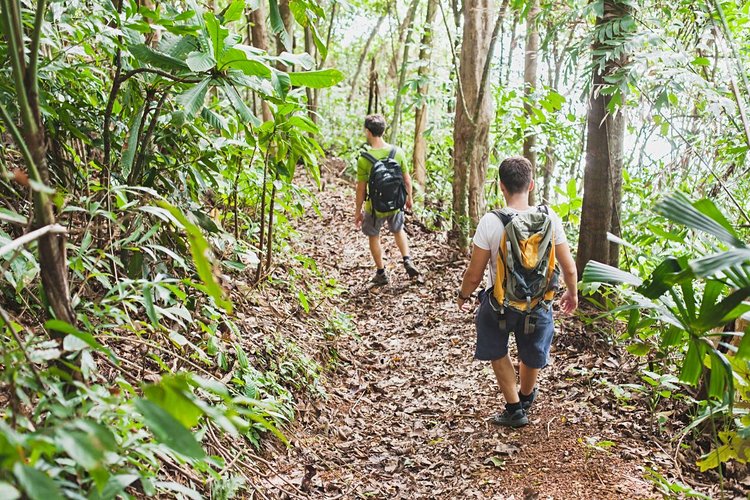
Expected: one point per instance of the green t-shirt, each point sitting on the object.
(364, 166)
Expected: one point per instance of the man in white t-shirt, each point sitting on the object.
(492, 334)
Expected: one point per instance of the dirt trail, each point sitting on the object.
(408, 409)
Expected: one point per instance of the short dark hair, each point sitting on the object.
(515, 174)
(375, 124)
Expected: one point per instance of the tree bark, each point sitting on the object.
(530, 83)
(396, 122)
(288, 20)
(602, 182)
(470, 133)
(420, 114)
(260, 41)
(362, 57)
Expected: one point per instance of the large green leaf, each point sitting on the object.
(249, 64)
(234, 11)
(692, 364)
(194, 98)
(721, 378)
(147, 55)
(713, 264)
(304, 60)
(281, 83)
(216, 32)
(596, 272)
(173, 395)
(663, 278)
(200, 61)
(728, 309)
(317, 79)
(131, 146)
(677, 207)
(743, 351)
(36, 483)
(277, 25)
(239, 105)
(202, 256)
(168, 430)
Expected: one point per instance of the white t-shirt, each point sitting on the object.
(490, 231)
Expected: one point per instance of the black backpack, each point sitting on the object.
(386, 188)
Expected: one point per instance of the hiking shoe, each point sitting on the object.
(527, 400)
(380, 279)
(412, 271)
(511, 418)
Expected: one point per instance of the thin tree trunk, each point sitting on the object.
(403, 29)
(260, 41)
(530, 83)
(602, 183)
(511, 47)
(420, 114)
(32, 142)
(471, 149)
(362, 57)
(288, 20)
(372, 93)
(321, 63)
(396, 121)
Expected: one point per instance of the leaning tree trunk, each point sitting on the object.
(395, 123)
(602, 182)
(260, 41)
(420, 113)
(530, 82)
(473, 115)
(31, 141)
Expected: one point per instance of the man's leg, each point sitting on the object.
(402, 243)
(376, 250)
(506, 378)
(528, 377)
(396, 224)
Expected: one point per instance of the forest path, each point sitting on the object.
(408, 410)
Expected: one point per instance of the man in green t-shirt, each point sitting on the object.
(371, 224)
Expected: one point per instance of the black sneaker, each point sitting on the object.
(527, 400)
(380, 279)
(412, 271)
(511, 418)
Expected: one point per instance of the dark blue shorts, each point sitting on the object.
(492, 340)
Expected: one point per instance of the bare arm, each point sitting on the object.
(361, 193)
(569, 300)
(407, 182)
(474, 273)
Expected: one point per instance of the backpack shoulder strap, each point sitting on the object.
(369, 157)
(504, 216)
(392, 154)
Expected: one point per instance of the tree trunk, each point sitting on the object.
(288, 20)
(473, 116)
(602, 182)
(321, 63)
(530, 82)
(374, 91)
(395, 123)
(511, 47)
(403, 28)
(31, 141)
(420, 113)
(362, 57)
(260, 41)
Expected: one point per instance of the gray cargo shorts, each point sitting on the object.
(371, 225)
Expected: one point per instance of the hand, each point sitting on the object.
(358, 218)
(409, 202)
(464, 305)
(569, 301)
